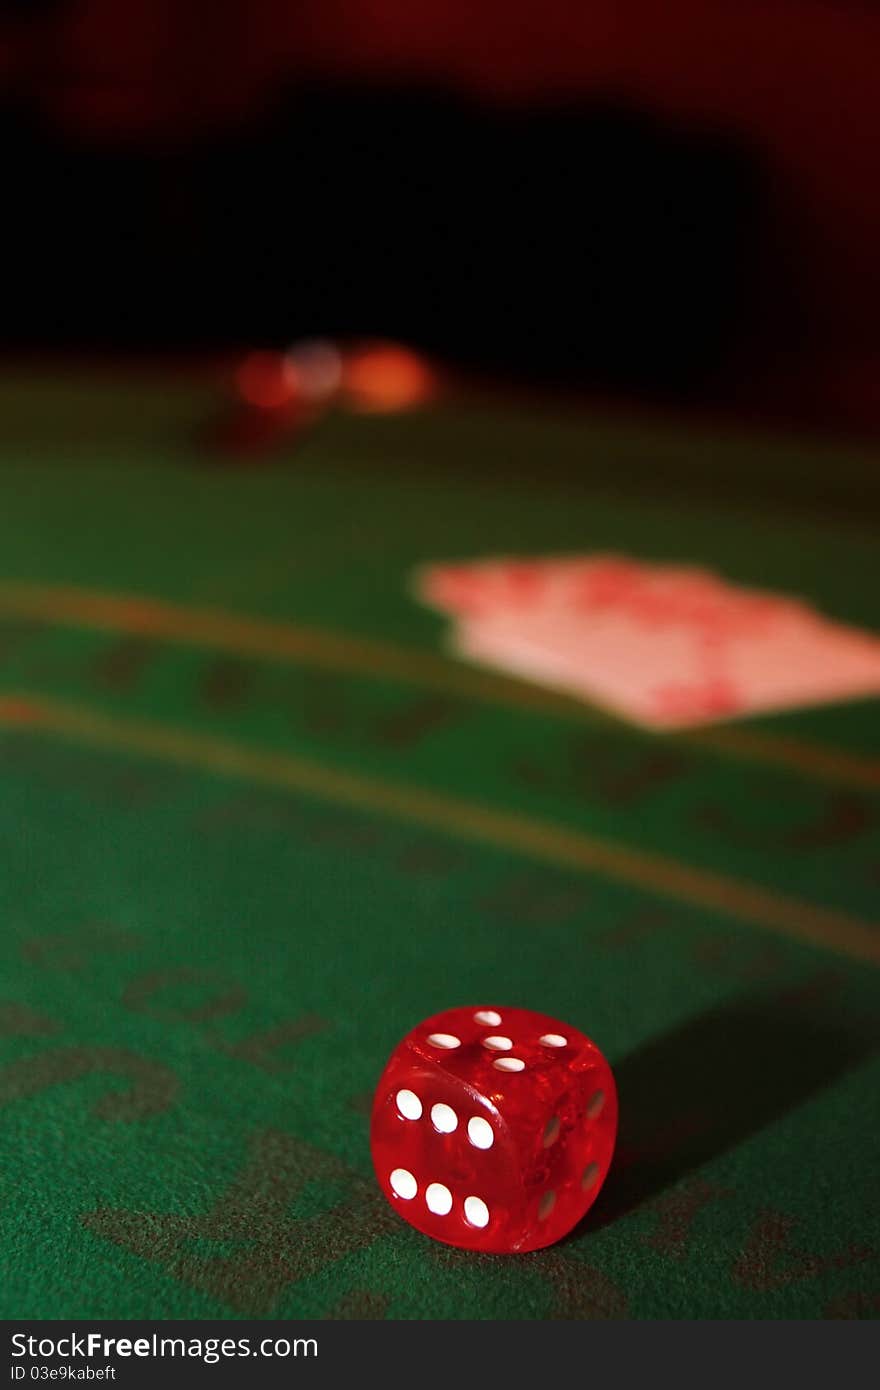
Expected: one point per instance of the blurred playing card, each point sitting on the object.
(666, 646)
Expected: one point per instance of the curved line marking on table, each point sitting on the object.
(275, 640)
(487, 825)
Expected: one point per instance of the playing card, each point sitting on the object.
(666, 646)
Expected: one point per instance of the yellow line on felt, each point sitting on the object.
(552, 844)
(274, 640)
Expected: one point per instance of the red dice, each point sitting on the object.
(493, 1128)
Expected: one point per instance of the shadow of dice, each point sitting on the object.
(493, 1129)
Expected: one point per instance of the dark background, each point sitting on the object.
(663, 200)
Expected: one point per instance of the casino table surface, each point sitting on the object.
(257, 822)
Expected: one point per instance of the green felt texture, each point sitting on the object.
(202, 974)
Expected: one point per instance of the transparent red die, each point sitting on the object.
(493, 1128)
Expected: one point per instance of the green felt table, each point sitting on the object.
(257, 822)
